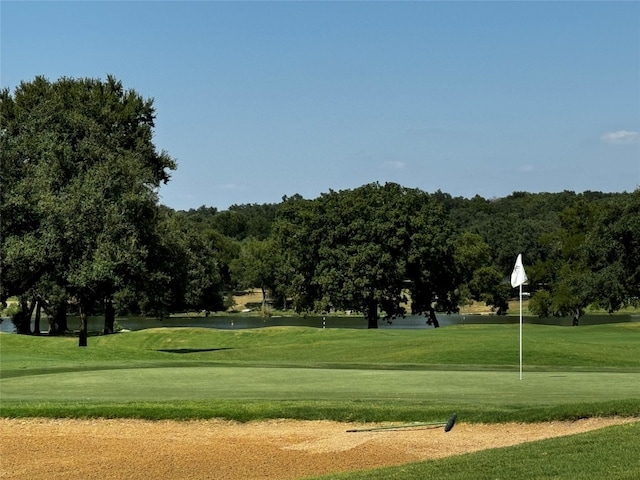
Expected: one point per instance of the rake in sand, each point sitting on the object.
(448, 425)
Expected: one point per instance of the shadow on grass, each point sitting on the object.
(192, 350)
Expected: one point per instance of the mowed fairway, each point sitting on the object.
(262, 383)
(365, 375)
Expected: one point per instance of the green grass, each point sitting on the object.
(476, 347)
(610, 453)
(356, 376)
(365, 375)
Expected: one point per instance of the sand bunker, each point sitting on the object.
(216, 449)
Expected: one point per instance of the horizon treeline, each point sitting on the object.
(83, 231)
(559, 234)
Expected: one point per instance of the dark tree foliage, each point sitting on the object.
(589, 258)
(239, 222)
(187, 267)
(257, 265)
(612, 251)
(576, 246)
(362, 250)
(219, 246)
(79, 199)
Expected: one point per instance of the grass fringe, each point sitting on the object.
(355, 412)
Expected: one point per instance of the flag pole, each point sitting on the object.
(520, 331)
(518, 278)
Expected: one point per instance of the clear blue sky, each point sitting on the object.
(257, 100)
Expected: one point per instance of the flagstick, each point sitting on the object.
(518, 278)
(520, 331)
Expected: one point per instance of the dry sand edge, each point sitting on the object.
(218, 449)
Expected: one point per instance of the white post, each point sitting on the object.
(518, 278)
(520, 331)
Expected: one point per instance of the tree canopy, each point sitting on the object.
(363, 249)
(79, 200)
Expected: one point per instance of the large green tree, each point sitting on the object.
(80, 176)
(296, 234)
(568, 286)
(191, 259)
(257, 265)
(481, 280)
(365, 249)
(431, 277)
(612, 251)
(362, 251)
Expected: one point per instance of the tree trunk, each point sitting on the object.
(264, 296)
(432, 318)
(82, 334)
(58, 319)
(576, 318)
(371, 311)
(109, 316)
(36, 324)
(22, 319)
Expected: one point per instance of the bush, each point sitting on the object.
(540, 304)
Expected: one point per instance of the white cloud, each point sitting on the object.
(393, 165)
(621, 137)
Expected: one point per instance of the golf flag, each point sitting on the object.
(518, 276)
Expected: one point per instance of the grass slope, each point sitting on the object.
(610, 453)
(339, 374)
(474, 347)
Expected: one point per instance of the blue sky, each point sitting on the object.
(257, 100)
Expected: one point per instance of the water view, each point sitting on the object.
(238, 322)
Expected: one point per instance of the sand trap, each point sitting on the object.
(216, 449)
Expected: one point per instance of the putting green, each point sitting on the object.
(247, 383)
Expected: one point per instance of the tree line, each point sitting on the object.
(83, 231)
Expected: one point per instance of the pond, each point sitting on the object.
(237, 322)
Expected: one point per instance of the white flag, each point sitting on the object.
(518, 277)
